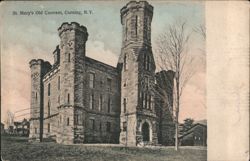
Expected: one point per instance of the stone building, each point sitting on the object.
(81, 100)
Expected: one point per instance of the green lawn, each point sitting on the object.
(19, 149)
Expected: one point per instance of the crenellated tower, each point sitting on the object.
(72, 72)
(137, 68)
(38, 68)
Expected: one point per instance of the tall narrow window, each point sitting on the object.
(124, 105)
(69, 57)
(109, 82)
(58, 83)
(48, 127)
(125, 63)
(146, 101)
(109, 104)
(108, 127)
(49, 89)
(136, 25)
(36, 96)
(146, 82)
(92, 124)
(91, 80)
(100, 103)
(48, 108)
(91, 101)
(100, 127)
(35, 130)
(58, 99)
(149, 102)
(67, 121)
(68, 98)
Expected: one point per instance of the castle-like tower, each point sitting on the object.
(80, 100)
(137, 67)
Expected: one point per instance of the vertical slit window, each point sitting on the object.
(91, 101)
(100, 103)
(91, 80)
(68, 98)
(67, 121)
(58, 83)
(49, 89)
(36, 96)
(69, 57)
(136, 25)
(48, 108)
(124, 105)
(109, 104)
(48, 127)
(125, 62)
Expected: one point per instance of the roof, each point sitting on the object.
(192, 129)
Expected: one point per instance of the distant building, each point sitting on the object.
(195, 136)
(2, 128)
(22, 128)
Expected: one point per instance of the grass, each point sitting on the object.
(19, 149)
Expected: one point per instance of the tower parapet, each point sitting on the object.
(136, 20)
(73, 26)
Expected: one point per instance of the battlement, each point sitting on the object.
(72, 26)
(39, 62)
(136, 5)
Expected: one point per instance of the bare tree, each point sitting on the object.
(201, 30)
(172, 54)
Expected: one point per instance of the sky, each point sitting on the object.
(26, 37)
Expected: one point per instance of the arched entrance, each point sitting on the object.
(145, 131)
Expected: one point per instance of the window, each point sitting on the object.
(91, 101)
(109, 104)
(136, 25)
(149, 102)
(109, 82)
(146, 62)
(92, 124)
(49, 89)
(48, 108)
(124, 126)
(100, 103)
(125, 62)
(69, 57)
(108, 127)
(67, 121)
(146, 100)
(68, 98)
(35, 130)
(124, 105)
(100, 126)
(78, 119)
(58, 83)
(146, 83)
(48, 127)
(91, 80)
(58, 99)
(36, 96)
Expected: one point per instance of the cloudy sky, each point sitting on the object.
(26, 37)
